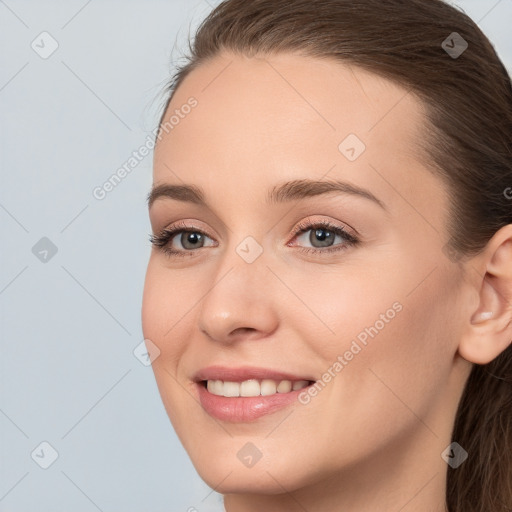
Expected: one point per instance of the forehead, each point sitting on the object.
(265, 118)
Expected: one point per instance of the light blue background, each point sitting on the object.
(69, 326)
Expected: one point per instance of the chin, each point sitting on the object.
(220, 465)
(250, 480)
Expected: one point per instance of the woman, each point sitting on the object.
(330, 288)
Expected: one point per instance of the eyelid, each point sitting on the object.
(162, 238)
(312, 222)
(184, 225)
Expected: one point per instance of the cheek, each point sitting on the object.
(394, 345)
(165, 305)
(167, 302)
(337, 307)
(401, 371)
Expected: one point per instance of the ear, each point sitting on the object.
(489, 329)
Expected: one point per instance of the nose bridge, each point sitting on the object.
(238, 296)
(243, 263)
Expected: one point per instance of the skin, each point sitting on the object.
(372, 438)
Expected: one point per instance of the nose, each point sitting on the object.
(240, 303)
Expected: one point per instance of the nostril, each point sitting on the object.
(245, 329)
(239, 331)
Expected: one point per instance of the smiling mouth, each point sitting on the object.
(253, 387)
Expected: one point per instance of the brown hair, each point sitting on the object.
(468, 143)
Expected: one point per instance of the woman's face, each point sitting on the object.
(311, 256)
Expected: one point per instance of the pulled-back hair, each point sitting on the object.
(468, 144)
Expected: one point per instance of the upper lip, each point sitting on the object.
(241, 373)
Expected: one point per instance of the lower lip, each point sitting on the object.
(244, 409)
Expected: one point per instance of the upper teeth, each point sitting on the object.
(253, 387)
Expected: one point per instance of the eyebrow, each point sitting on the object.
(289, 191)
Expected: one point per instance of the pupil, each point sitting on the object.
(322, 235)
(190, 239)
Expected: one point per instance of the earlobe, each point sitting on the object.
(489, 329)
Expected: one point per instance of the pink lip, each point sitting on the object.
(243, 409)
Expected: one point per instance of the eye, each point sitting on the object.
(182, 239)
(322, 236)
(188, 240)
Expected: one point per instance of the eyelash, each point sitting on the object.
(162, 239)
